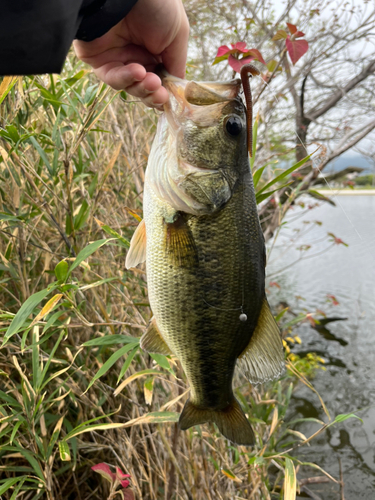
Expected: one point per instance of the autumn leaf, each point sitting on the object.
(293, 31)
(280, 35)
(239, 48)
(296, 48)
(104, 470)
(237, 64)
(333, 299)
(255, 54)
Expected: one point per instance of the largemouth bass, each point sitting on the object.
(205, 254)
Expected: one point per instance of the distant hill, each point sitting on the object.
(351, 160)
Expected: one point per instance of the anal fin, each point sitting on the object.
(152, 341)
(231, 421)
(137, 251)
(263, 358)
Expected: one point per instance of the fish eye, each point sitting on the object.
(233, 125)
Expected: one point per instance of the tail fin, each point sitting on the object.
(231, 421)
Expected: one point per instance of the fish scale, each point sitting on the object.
(194, 331)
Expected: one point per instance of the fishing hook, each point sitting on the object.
(246, 71)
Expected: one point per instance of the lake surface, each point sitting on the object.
(348, 384)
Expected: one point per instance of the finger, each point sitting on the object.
(120, 76)
(154, 99)
(175, 55)
(150, 90)
(134, 79)
(126, 54)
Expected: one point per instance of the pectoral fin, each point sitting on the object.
(152, 341)
(137, 251)
(180, 245)
(263, 358)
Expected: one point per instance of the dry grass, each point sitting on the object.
(72, 164)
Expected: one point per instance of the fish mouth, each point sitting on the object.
(201, 102)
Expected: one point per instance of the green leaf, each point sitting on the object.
(10, 400)
(92, 187)
(51, 321)
(263, 196)
(86, 252)
(50, 357)
(98, 283)
(285, 174)
(320, 196)
(280, 35)
(112, 339)
(26, 309)
(7, 217)
(33, 462)
(221, 58)
(122, 241)
(110, 362)
(307, 419)
(42, 154)
(281, 314)
(157, 417)
(14, 431)
(162, 361)
(61, 270)
(17, 489)
(126, 365)
(82, 216)
(257, 175)
(344, 416)
(64, 451)
(9, 483)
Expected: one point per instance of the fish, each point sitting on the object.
(205, 254)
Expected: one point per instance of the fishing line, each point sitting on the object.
(314, 163)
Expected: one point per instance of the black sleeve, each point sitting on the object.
(35, 35)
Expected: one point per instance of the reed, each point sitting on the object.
(75, 388)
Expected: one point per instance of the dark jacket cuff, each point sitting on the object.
(100, 16)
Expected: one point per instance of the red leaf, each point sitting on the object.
(296, 49)
(122, 477)
(222, 50)
(299, 34)
(104, 470)
(333, 299)
(240, 46)
(292, 28)
(256, 55)
(127, 494)
(237, 64)
(274, 283)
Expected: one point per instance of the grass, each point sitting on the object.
(75, 388)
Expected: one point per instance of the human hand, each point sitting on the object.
(154, 32)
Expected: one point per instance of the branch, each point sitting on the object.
(358, 137)
(316, 112)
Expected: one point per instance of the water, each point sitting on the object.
(348, 384)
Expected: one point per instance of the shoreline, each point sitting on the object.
(347, 192)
